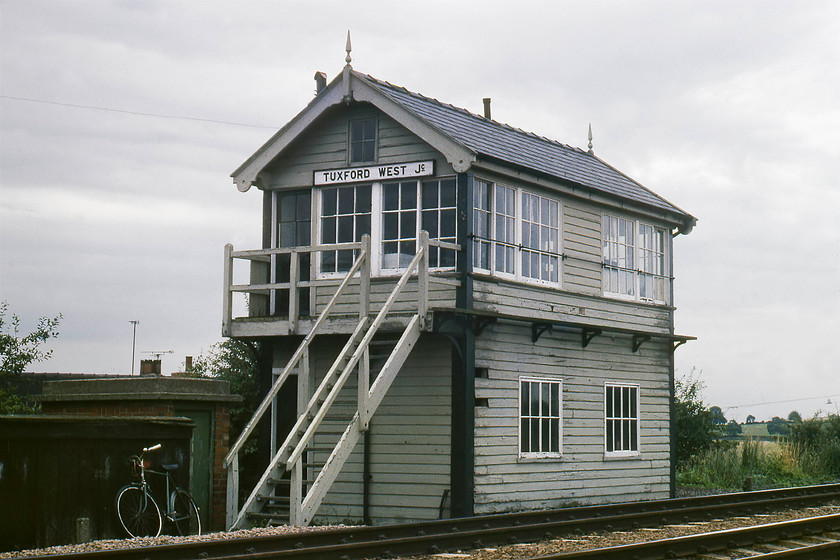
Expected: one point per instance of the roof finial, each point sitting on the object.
(348, 48)
(591, 151)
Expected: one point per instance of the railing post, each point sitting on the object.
(232, 502)
(364, 389)
(294, 278)
(295, 493)
(227, 299)
(423, 279)
(364, 279)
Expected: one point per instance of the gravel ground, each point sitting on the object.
(578, 542)
(140, 542)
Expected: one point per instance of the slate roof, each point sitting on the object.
(490, 139)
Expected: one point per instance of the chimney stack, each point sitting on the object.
(150, 368)
(486, 107)
(320, 82)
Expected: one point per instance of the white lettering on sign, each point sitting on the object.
(375, 173)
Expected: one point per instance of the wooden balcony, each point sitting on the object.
(283, 295)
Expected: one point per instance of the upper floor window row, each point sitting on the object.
(634, 260)
(393, 214)
(362, 141)
(516, 233)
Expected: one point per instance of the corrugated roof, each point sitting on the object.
(499, 141)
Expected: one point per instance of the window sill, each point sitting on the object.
(545, 459)
(628, 457)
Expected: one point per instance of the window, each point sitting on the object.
(516, 233)
(540, 417)
(362, 141)
(540, 238)
(294, 219)
(634, 260)
(345, 217)
(393, 214)
(621, 419)
(439, 219)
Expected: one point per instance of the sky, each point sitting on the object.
(121, 122)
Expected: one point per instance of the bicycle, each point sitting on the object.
(139, 513)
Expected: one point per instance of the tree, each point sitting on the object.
(750, 419)
(17, 353)
(695, 426)
(733, 428)
(794, 416)
(717, 415)
(237, 362)
(778, 426)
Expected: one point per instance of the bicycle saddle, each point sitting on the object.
(170, 467)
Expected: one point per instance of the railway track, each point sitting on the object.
(812, 538)
(476, 532)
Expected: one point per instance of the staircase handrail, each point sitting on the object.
(266, 403)
(357, 355)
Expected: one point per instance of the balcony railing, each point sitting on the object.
(303, 295)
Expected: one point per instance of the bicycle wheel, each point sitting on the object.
(138, 512)
(185, 513)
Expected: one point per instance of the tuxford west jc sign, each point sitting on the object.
(375, 173)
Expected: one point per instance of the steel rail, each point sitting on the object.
(474, 532)
(721, 541)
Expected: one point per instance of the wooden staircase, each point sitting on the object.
(305, 466)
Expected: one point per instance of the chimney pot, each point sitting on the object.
(320, 82)
(486, 101)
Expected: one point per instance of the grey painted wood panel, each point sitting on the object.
(583, 474)
(409, 440)
(324, 146)
(536, 302)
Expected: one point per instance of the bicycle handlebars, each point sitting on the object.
(152, 448)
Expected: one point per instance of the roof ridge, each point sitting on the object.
(480, 117)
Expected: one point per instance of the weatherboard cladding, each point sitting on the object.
(498, 141)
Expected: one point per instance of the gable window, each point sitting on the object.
(516, 233)
(362, 141)
(633, 260)
(540, 417)
(621, 419)
(393, 214)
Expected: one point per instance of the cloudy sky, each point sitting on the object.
(122, 121)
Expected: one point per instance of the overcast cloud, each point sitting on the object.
(727, 109)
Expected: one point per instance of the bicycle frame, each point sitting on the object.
(141, 514)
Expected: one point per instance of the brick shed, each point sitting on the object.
(204, 401)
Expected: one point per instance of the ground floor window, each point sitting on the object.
(540, 417)
(621, 419)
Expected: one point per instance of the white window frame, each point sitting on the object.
(378, 267)
(540, 418)
(620, 418)
(496, 242)
(641, 257)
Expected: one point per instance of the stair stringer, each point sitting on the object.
(331, 469)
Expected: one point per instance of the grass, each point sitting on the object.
(770, 465)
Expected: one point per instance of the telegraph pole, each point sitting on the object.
(133, 341)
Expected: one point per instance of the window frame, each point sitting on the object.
(638, 253)
(497, 214)
(377, 220)
(540, 418)
(351, 141)
(620, 419)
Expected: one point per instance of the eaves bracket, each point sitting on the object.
(537, 330)
(677, 344)
(586, 336)
(481, 323)
(638, 340)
